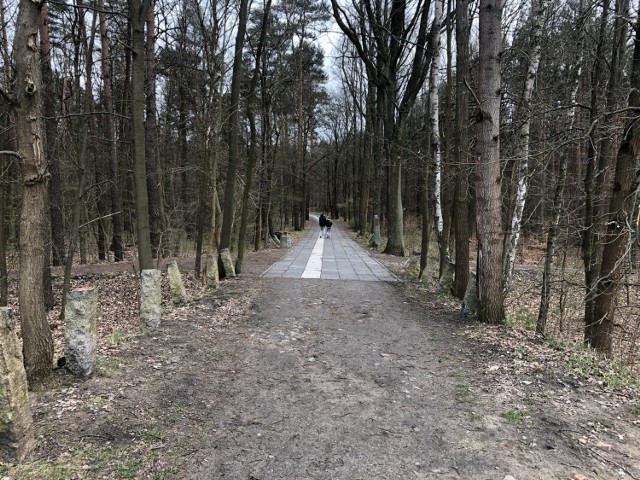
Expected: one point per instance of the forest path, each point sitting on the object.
(335, 258)
(271, 377)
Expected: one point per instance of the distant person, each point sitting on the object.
(329, 223)
(322, 221)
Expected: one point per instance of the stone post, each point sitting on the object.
(150, 299)
(212, 276)
(285, 241)
(227, 262)
(178, 293)
(470, 301)
(16, 422)
(81, 331)
(375, 240)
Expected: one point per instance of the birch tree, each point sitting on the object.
(538, 14)
(435, 153)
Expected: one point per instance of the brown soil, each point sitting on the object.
(307, 379)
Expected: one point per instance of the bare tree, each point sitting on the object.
(137, 19)
(151, 136)
(253, 147)
(462, 198)
(538, 14)
(394, 30)
(234, 130)
(488, 175)
(110, 134)
(599, 185)
(436, 155)
(619, 217)
(36, 334)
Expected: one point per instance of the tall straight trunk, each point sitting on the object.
(56, 217)
(234, 131)
(5, 144)
(87, 106)
(435, 153)
(115, 194)
(151, 137)
(558, 198)
(447, 190)
(599, 334)
(137, 17)
(488, 183)
(538, 15)
(4, 273)
(368, 147)
(90, 148)
(461, 208)
(37, 344)
(253, 148)
(590, 252)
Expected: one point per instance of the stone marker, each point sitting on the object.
(285, 241)
(16, 422)
(446, 279)
(178, 292)
(150, 299)
(81, 331)
(375, 240)
(227, 262)
(212, 276)
(470, 301)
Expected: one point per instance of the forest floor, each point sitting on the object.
(288, 379)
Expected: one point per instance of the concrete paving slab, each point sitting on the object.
(335, 258)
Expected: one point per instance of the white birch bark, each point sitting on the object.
(538, 14)
(434, 103)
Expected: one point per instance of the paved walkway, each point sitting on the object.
(335, 258)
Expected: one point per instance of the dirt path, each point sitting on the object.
(279, 378)
(345, 381)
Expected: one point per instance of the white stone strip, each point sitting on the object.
(314, 265)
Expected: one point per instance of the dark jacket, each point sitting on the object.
(329, 223)
(322, 221)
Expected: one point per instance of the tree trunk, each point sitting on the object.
(488, 183)
(110, 134)
(253, 148)
(36, 334)
(78, 206)
(151, 137)
(619, 218)
(448, 190)
(56, 217)
(4, 274)
(558, 198)
(137, 16)
(436, 156)
(538, 14)
(590, 254)
(234, 131)
(461, 208)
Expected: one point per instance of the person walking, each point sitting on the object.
(329, 223)
(322, 221)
